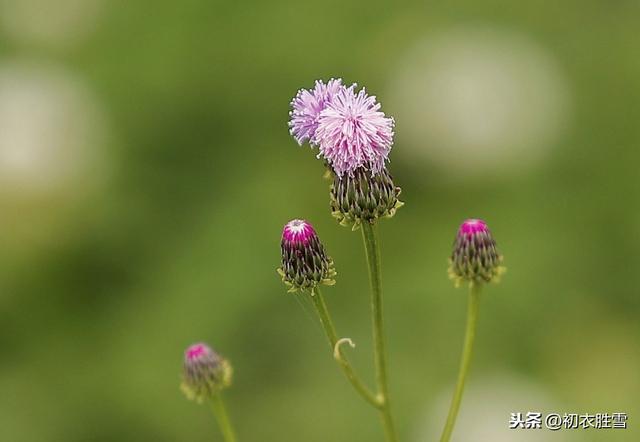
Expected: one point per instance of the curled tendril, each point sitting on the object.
(336, 349)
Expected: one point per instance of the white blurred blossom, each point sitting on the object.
(50, 130)
(476, 101)
(486, 410)
(59, 23)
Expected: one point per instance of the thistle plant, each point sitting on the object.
(474, 260)
(205, 374)
(354, 138)
(305, 266)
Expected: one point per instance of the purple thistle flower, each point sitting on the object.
(352, 132)
(205, 372)
(307, 106)
(475, 258)
(305, 263)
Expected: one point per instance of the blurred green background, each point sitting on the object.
(146, 171)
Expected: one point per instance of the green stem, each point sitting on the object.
(220, 412)
(332, 336)
(369, 236)
(467, 352)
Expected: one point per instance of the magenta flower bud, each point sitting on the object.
(305, 263)
(475, 258)
(205, 372)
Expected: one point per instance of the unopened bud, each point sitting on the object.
(205, 372)
(305, 264)
(475, 258)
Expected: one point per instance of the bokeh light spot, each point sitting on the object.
(478, 100)
(59, 23)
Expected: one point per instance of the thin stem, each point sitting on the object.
(467, 352)
(332, 336)
(369, 236)
(220, 412)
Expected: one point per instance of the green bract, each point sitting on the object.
(364, 197)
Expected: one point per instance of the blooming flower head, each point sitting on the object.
(205, 372)
(305, 263)
(475, 258)
(352, 132)
(307, 106)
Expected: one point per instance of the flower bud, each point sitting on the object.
(364, 196)
(305, 263)
(205, 372)
(474, 258)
